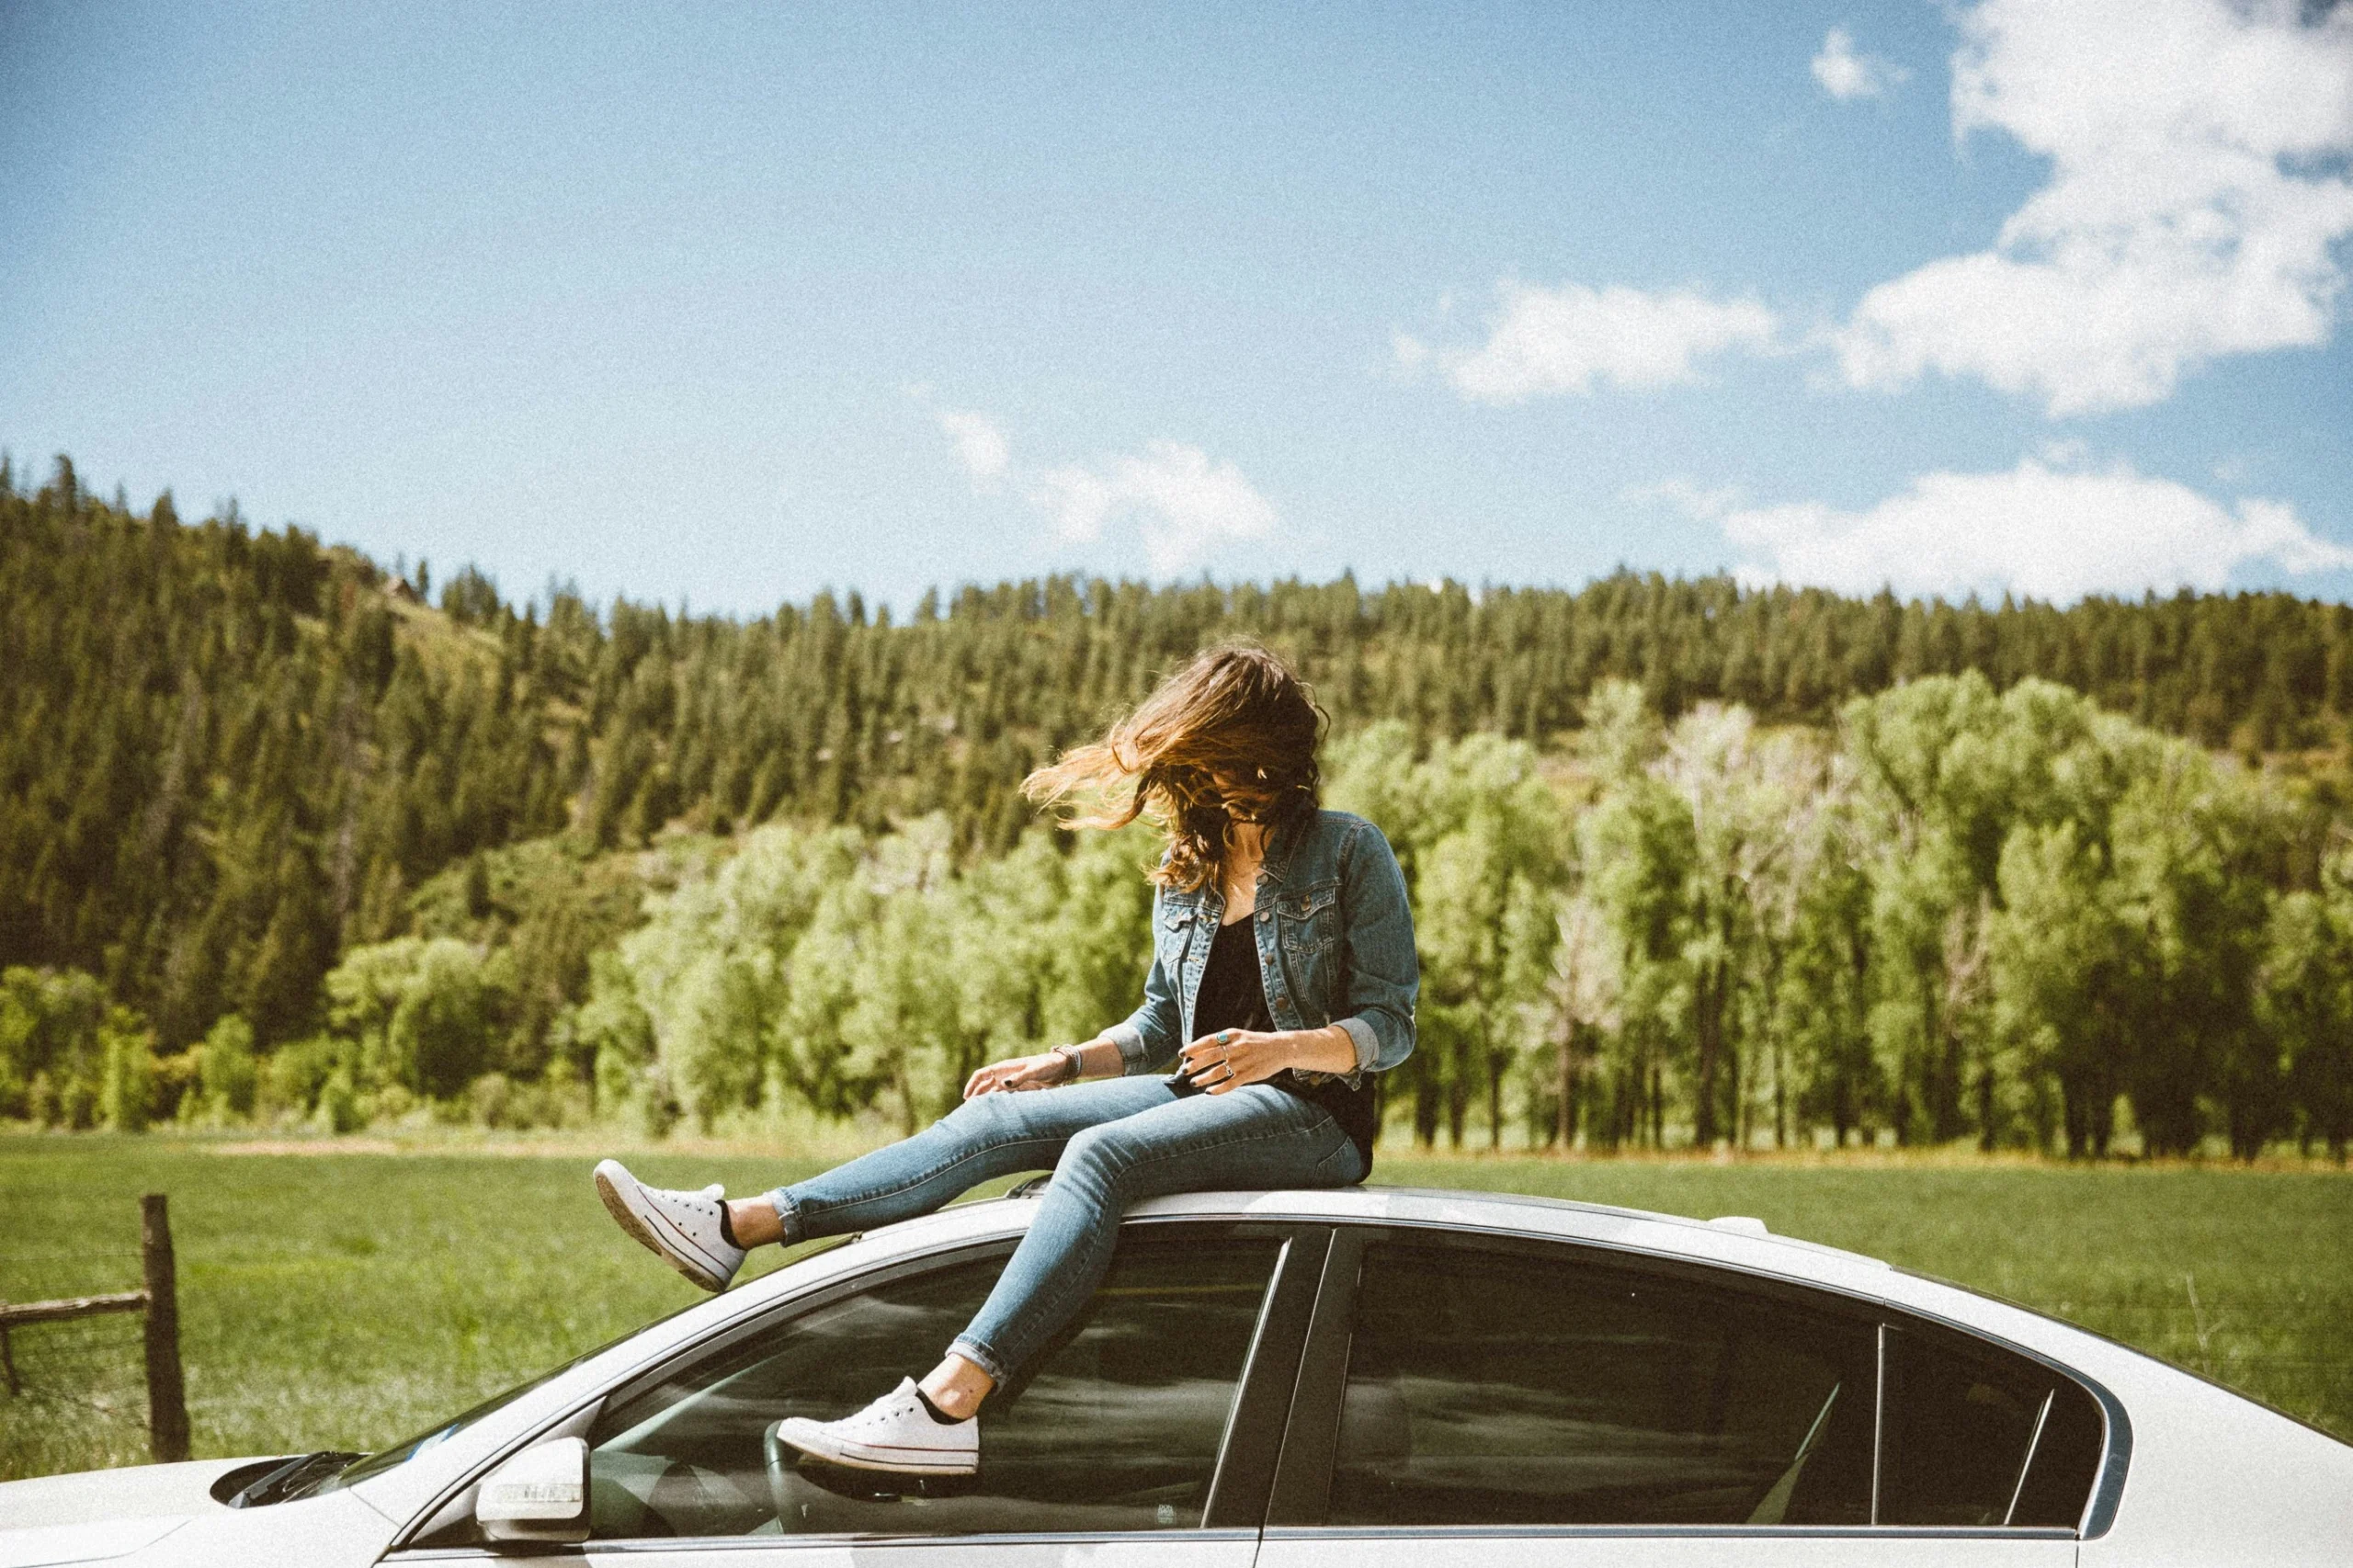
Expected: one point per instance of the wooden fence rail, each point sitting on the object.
(16, 1314)
(159, 1301)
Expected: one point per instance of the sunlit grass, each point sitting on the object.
(340, 1300)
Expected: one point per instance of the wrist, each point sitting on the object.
(1328, 1050)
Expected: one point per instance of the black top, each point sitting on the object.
(1233, 996)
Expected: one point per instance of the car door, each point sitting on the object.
(1145, 1436)
(1510, 1402)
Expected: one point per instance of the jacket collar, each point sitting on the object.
(1283, 843)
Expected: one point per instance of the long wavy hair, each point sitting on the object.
(1231, 735)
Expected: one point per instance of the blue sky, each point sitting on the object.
(728, 304)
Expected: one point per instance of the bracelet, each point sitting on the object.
(1070, 1053)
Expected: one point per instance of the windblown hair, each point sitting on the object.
(1235, 713)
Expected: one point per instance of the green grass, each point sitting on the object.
(343, 1300)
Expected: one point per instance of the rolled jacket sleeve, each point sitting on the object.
(1384, 971)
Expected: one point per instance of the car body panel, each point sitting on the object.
(138, 1492)
(334, 1528)
(1204, 1549)
(1661, 1548)
(40, 1546)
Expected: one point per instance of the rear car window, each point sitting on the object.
(1513, 1388)
(1531, 1384)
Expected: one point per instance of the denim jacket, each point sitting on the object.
(1335, 946)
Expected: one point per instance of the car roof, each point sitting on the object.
(1738, 1243)
(1506, 1211)
(1734, 1239)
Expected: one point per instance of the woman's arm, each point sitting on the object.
(1383, 966)
(1099, 1058)
(1232, 1057)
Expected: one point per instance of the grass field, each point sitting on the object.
(341, 1300)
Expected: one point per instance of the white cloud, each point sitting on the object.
(980, 444)
(1565, 339)
(2197, 190)
(1845, 75)
(1686, 496)
(1186, 504)
(2052, 533)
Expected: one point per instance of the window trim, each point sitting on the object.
(1303, 1481)
(2026, 1465)
(1879, 1411)
(1238, 1479)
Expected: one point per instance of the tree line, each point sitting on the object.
(1692, 862)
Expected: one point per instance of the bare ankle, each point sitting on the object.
(957, 1387)
(753, 1221)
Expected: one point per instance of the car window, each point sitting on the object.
(1508, 1387)
(1973, 1435)
(1118, 1427)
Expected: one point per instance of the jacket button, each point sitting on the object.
(1266, 914)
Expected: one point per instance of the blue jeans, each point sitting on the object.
(1110, 1144)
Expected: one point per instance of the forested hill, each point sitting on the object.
(229, 755)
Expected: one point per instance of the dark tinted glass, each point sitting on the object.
(1962, 1419)
(1493, 1387)
(1118, 1429)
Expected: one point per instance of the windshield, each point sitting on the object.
(400, 1453)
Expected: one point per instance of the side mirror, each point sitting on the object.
(540, 1494)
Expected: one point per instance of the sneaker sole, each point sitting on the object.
(640, 1228)
(859, 1457)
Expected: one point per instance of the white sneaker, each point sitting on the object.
(894, 1433)
(682, 1227)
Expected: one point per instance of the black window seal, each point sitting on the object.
(1302, 1485)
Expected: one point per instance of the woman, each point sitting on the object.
(1283, 977)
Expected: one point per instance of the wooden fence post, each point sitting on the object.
(166, 1391)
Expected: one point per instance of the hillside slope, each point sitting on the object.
(228, 755)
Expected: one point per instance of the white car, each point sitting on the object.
(1372, 1378)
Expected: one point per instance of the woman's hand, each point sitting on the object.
(1231, 1058)
(1041, 1072)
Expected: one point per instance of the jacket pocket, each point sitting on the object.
(1309, 920)
(1175, 936)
